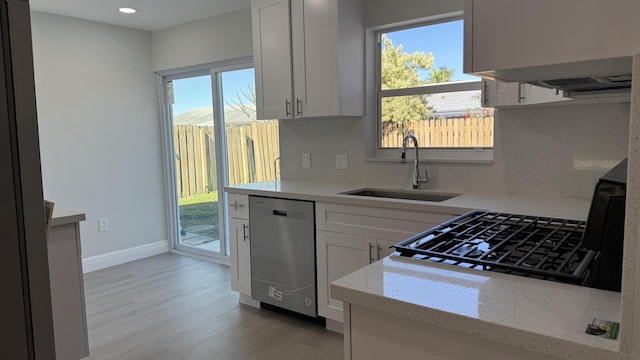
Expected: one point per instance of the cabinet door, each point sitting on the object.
(272, 58)
(240, 256)
(505, 94)
(539, 95)
(315, 57)
(338, 255)
(384, 249)
(544, 32)
(498, 93)
(238, 205)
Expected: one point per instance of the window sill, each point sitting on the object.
(444, 156)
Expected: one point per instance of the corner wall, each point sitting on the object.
(218, 38)
(99, 130)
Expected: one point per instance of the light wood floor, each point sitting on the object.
(175, 307)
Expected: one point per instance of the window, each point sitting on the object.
(422, 90)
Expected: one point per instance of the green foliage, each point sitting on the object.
(402, 70)
(441, 75)
(199, 198)
(197, 210)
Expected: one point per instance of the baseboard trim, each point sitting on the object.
(334, 326)
(247, 300)
(104, 261)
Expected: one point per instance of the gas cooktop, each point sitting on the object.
(532, 246)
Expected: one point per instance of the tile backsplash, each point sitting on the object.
(555, 150)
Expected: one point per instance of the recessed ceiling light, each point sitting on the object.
(127, 10)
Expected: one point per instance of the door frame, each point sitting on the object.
(168, 152)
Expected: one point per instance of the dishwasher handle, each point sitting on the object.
(279, 213)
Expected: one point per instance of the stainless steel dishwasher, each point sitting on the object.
(283, 253)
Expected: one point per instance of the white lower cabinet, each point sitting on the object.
(372, 334)
(240, 255)
(240, 243)
(337, 255)
(351, 237)
(383, 248)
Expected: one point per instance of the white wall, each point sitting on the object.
(99, 129)
(383, 12)
(557, 150)
(217, 38)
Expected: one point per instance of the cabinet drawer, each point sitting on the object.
(238, 206)
(388, 224)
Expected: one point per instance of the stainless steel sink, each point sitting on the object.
(402, 194)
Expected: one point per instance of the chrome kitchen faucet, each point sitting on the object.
(416, 171)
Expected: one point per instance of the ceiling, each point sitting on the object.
(152, 14)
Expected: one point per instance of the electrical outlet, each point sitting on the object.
(342, 162)
(103, 224)
(306, 161)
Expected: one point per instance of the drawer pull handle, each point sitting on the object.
(236, 205)
(244, 232)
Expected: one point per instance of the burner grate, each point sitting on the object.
(533, 246)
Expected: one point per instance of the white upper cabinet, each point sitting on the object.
(527, 41)
(510, 94)
(309, 58)
(272, 58)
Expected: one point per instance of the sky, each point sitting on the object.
(196, 92)
(436, 39)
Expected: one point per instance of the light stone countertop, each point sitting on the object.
(64, 216)
(550, 206)
(538, 315)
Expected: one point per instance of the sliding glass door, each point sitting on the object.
(212, 139)
(194, 160)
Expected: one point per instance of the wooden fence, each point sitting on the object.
(251, 151)
(452, 132)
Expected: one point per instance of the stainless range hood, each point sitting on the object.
(604, 78)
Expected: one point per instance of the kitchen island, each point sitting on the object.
(401, 307)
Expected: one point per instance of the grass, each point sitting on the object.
(201, 209)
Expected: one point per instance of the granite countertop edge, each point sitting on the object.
(362, 288)
(64, 217)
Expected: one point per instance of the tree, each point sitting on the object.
(402, 70)
(242, 96)
(441, 75)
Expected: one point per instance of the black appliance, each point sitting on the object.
(577, 252)
(605, 228)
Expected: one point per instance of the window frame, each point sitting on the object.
(373, 128)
